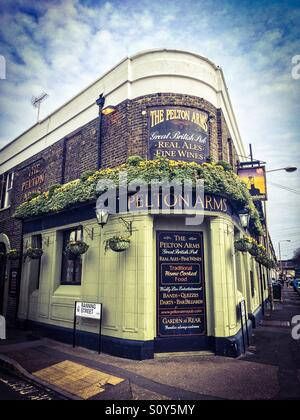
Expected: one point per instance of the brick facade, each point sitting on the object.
(123, 134)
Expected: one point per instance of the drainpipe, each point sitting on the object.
(100, 102)
(261, 289)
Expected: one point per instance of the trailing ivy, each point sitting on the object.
(217, 180)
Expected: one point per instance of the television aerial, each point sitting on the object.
(36, 102)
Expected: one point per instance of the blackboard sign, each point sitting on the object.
(178, 133)
(181, 284)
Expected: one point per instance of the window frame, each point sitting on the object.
(7, 184)
(37, 242)
(78, 230)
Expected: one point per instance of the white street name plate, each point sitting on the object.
(88, 310)
(243, 309)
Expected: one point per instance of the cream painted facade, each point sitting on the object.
(125, 283)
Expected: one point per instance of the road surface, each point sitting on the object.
(16, 388)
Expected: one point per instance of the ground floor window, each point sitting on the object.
(252, 284)
(35, 267)
(71, 268)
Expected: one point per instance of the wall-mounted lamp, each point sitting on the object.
(110, 109)
(102, 217)
(244, 216)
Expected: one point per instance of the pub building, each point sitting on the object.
(176, 286)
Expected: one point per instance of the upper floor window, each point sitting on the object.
(71, 268)
(6, 187)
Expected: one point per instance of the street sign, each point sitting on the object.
(244, 318)
(2, 328)
(88, 310)
(243, 309)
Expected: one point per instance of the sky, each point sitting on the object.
(62, 46)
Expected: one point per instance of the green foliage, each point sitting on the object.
(258, 251)
(85, 175)
(13, 254)
(33, 253)
(134, 160)
(33, 195)
(118, 243)
(75, 249)
(217, 181)
(227, 167)
(53, 188)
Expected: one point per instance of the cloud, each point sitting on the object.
(62, 46)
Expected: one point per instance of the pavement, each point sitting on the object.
(270, 370)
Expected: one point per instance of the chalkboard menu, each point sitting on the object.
(181, 284)
(178, 133)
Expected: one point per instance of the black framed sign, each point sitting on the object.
(181, 307)
(178, 133)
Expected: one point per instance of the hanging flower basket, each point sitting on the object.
(266, 262)
(75, 249)
(13, 255)
(242, 245)
(254, 250)
(118, 244)
(34, 253)
(2, 257)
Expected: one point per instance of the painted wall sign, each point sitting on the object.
(255, 179)
(32, 179)
(180, 284)
(88, 310)
(178, 133)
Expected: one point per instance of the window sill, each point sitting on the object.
(70, 291)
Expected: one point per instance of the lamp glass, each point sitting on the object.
(102, 216)
(109, 110)
(244, 219)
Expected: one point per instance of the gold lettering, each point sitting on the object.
(157, 117)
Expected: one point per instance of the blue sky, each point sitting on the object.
(62, 46)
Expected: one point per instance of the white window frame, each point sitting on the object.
(8, 189)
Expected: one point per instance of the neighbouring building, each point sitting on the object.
(288, 268)
(178, 287)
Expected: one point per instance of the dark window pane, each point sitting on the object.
(71, 269)
(252, 283)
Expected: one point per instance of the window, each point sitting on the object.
(230, 152)
(6, 187)
(71, 269)
(252, 285)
